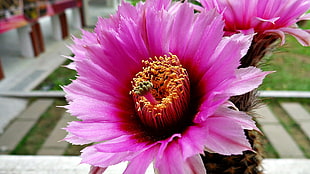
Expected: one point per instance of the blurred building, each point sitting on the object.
(22, 21)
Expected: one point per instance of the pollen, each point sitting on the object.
(143, 87)
(161, 91)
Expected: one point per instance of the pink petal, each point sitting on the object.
(219, 76)
(125, 9)
(230, 50)
(90, 109)
(247, 80)
(182, 23)
(260, 15)
(159, 4)
(139, 164)
(247, 32)
(272, 20)
(204, 39)
(164, 144)
(76, 140)
(83, 88)
(225, 136)
(195, 164)
(90, 155)
(304, 17)
(303, 37)
(156, 32)
(110, 53)
(132, 41)
(192, 141)
(172, 162)
(244, 120)
(125, 143)
(96, 131)
(279, 33)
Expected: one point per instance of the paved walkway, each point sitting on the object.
(53, 144)
(279, 138)
(22, 125)
(299, 115)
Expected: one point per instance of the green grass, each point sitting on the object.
(60, 77)
(74, 150)
(133, 2)
(291, 73)
(268, 151)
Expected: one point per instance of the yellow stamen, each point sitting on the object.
(161, 91)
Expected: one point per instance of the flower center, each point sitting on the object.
(161, 92)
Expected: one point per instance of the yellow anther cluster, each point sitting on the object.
(167, 76)
(143, 88)
(170, 87)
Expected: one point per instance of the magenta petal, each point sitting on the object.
(172, 162)
(139, 164)
(204, 39)
(219, 76)
(179, 30)
(91, 155)
(229, 51)
(156, 34)
(192, 141)
(122, 144)
(87, 68)
(96, 131)
(82, 89)
(89, 109)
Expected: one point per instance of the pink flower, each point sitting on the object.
(153, 85)
(264, 16)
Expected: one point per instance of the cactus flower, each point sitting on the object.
(153, 86)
